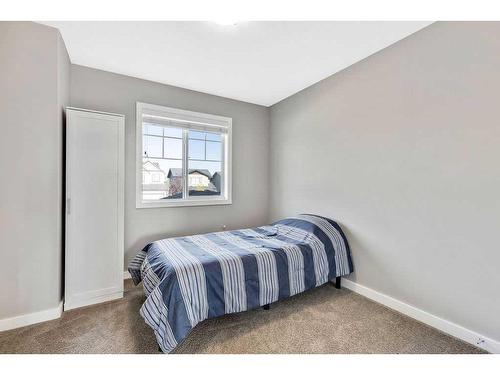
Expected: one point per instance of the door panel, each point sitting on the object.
(94, 226)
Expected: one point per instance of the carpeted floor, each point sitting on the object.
(324, 320)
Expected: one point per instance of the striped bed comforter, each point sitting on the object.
(189, 279)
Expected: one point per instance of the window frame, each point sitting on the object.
(194, 119)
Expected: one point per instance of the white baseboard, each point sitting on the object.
(76, 303)
(92, 297)
(55, 313)
(441, 324)
(32, 318)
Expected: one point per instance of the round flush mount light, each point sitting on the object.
(226, 22)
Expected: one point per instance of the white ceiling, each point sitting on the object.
(256, 62)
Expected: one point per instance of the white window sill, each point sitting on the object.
(183, 203)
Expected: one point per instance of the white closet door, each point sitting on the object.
(94, 207)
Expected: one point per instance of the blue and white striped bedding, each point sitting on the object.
(189, 279)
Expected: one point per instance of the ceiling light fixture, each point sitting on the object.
(227, 22)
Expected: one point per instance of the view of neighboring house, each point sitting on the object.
(158, 185)
(216, 180)
(201, 182)
(154, 183)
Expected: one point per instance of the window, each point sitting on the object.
(183, 158)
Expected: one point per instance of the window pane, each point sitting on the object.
(196, 149)
(214, 151)
(173, 132)
(151, 146)
(161, 179)
(214, 137)
(172, 148)
(152, 129)
(193, 134)
(205, 178)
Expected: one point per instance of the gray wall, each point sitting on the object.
(403, 149)
(33, 87)
(99, 90)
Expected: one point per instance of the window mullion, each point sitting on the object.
(223, 166)
(185, 173)
(163, 145)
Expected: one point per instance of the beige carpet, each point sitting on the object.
(324, 320)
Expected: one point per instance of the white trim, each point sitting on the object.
(441, 324)
(121, 198)
(93, 297)
(183, 115)
(191, 117)
(93, 111)
(185, 203)
(32, 318)
(126, 275)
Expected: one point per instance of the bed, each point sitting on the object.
(189, 279)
